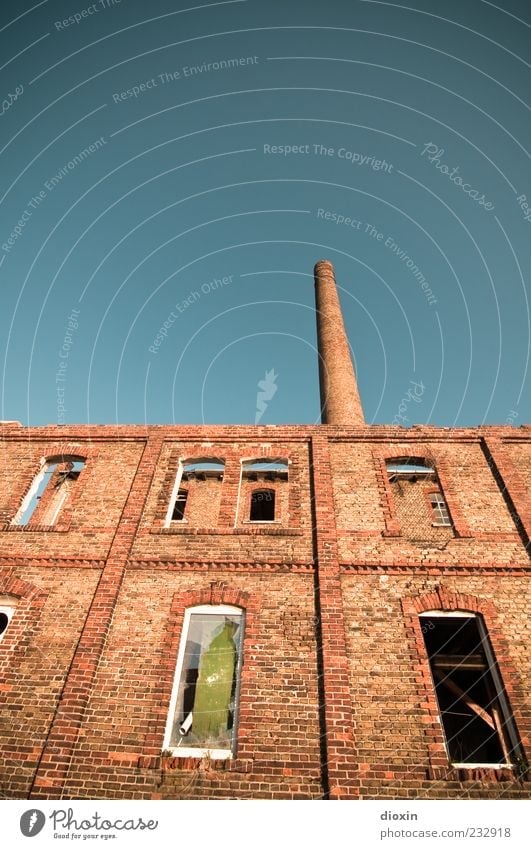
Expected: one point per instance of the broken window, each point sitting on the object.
(475, 714)
(196, 495)
(180, 506)
(6, 614)
(204, 705)
(420, 504)
(49, 491)
(262, 505)
(440, 510)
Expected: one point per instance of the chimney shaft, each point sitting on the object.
(340, 400)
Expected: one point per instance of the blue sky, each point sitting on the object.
(171, 174)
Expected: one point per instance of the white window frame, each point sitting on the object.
(9, 611)
(45, 463)
(173, 496)
(190, 751)
(508, 719)
(184, 461)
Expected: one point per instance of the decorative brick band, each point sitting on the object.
(253, 566)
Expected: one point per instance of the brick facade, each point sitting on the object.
(336, 697)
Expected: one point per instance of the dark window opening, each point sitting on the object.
(263, 505)
(473, 707)
(4, 622)
(180, 506)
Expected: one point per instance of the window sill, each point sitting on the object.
(202, 754)
(195, 762)
(262, 522)
(487, 773)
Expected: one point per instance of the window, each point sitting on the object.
(410, 468)
(421, 508)
(262, 505)
(440, 510)
(475, 714)
(49, 491)
(180, 506)
(203, 709)
(6, 614)
(196, 494)
(258, 500)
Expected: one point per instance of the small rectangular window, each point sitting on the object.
(440, 510)
(475, 715)
(262, 505)
(203, 711)
(179, 506)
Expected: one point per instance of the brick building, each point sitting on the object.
(331, 611)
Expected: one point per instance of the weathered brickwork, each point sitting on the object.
(400, 745)
(336, 698)
(484, 531)
(51, 605)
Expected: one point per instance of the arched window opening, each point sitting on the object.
(6, 614)
(49, 491)
(196, 495)
(204, 707)
(475, 714)
(420, 504)
(262, 505)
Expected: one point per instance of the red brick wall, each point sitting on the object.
(398, 734)
(278, 729)
(334, 698)
(35, 656)
(369, 522)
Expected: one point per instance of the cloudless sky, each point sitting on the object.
(170, 172)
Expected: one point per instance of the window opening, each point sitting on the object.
(204, 710)
(6, 614)
(53, 483)
(474, 710)
(180, 506)
(262, 505)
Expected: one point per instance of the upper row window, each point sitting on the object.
(49, 492)
(420, 502)
(257, 489)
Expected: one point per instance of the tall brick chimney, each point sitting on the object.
(340, 400)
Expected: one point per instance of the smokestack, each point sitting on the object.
(340, 400)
